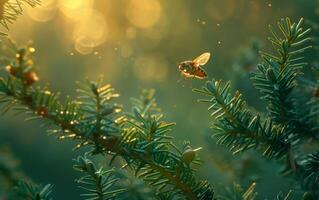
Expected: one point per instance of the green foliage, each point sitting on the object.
(94, 104)
(10, 172)
(100, 117)
(276, 77)
(309, 173)
(9, 169)
(98, 183)
(155, 157)
(237, 127)
(139, 138)
(141, 142)
(281, 132)
(25, 190)
(11, 186)
(238, 193)
(135, 188)
(146, 103)
(312, 166)
(281, 196)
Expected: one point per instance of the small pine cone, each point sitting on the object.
(188, 156)
(11, 70)
(30, 78)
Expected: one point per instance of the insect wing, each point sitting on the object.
(199, 73)
(202, 59)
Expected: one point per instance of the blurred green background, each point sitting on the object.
(138, 44)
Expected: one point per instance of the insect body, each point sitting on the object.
(193, 68)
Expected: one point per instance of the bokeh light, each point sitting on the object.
(43, 13)
(143, 13)
(75, 9)
(137, 44)
(130, 32)
(90, 32)
(150, 67)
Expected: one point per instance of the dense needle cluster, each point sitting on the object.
(139, 138)
(139, 141)
(288, 124)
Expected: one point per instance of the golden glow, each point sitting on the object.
(75, 9)
(94, 27)
(143, 13)
(153, 33)
(47, 92)
(84, 45)
(113, 31)
(150, 68)
(43, 13)
(131, 32)
(126, 51)
(31, 50)
(90, 32)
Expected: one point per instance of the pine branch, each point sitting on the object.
(148, 139)
(10, 173)
(146, 103)
(276, 77)
(26, 190)
(93, 120)
(237, 127)
(282, 196)
(98, 183)
(100, 117)
(136, 189)
(308, 174)
(238, 193)
(9, 170)
(312, 168)
(14, 185)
